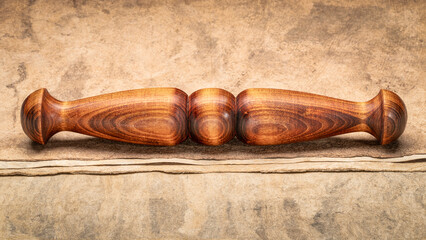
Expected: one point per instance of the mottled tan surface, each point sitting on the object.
(343, 49)
(215, 206)
(340, 49)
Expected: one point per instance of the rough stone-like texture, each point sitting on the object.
(83, 48)
(343, 49)
(215, 206)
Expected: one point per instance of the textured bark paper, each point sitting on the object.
(342, 49)
(215, 206)
(345, 50)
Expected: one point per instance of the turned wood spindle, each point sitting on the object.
(258, 116)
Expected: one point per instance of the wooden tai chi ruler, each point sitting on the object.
(212, 116)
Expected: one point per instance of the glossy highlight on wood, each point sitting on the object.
(257, 116)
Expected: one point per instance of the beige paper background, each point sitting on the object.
(215, 206)
(342, 49)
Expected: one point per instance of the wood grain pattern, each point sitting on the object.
(274, 116)
(212, 117)
(155, 116)
(165, 116)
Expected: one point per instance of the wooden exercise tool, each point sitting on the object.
(212, 116)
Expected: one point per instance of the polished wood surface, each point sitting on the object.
(274, 116)
(165, 116)
(155, 116)
(212, 117)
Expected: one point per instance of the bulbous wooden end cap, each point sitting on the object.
(392, 118)
(37, 116)
(212, 116)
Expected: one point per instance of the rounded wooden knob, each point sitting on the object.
(212, 117)
(39, 119)
(394, 117)
(388, 118)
